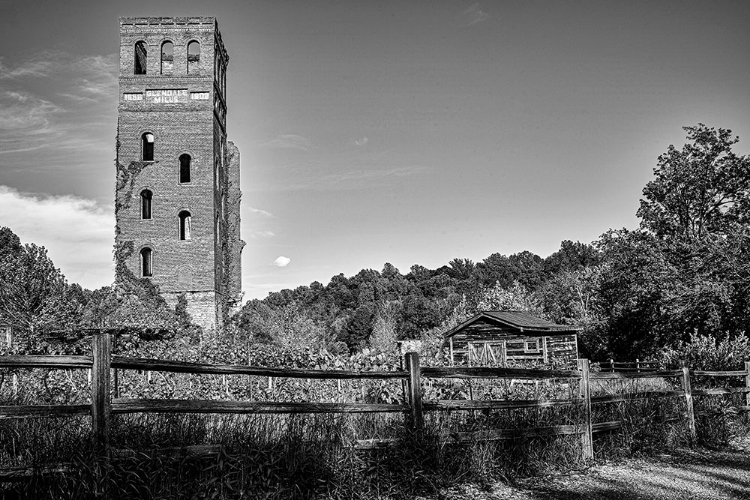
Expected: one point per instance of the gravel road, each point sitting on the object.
(685, 474)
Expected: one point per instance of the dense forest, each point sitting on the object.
(684, 271)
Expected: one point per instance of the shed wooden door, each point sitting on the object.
(487, 353)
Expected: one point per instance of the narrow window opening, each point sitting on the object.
(167, 58)
(147, 146)
(184, 225)
(146, 197)
(141, 56)
(146, 268)
(193, 57)
(184, 168)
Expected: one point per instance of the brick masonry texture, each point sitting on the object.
(190, 120)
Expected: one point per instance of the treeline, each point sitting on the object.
(379, 307)
(685, 272)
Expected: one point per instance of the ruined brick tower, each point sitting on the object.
(177, 194)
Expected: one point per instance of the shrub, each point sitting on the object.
(706, 352)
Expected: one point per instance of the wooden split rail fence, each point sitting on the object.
(628, 366)
(103, 405)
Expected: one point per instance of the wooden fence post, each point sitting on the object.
(100, 401)
(747, 384)
(415, 390)
(688, 399)
(587, 439)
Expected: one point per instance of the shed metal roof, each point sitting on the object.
(522, 320)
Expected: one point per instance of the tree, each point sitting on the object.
(699, 190)
(634, 282)
(496, 268)
(33, 292)
(571, 257)
(517, 297)
(383, 336)
(528, 269)
(573, 298)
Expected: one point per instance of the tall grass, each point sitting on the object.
(315, 456)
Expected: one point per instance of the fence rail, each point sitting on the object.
(102, 365)
(210, 369)
(628, 366)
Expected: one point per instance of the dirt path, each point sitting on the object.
(687, 474)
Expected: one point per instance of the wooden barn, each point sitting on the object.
(499, 338)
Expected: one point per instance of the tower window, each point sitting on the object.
(193, 57)
(184, 168)
(146, 196)
(141, 53)
(147, 146)
(167, 58)
(184, 225)
(146, 257)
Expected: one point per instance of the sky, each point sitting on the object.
(407, 132)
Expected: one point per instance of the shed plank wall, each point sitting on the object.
(558, 347)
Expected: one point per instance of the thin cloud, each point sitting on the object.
(346, 178)
(83, 255)
(282, 261)
(68, 116)
(22, 110)
(354, 175)
(35, 67)
(262, 234)
(474, 15)
(259, 211)
(362, 141)
(289, 141)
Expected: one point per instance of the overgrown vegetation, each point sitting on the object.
(674, 289)
(314, 456)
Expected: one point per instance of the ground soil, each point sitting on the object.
(696, 473)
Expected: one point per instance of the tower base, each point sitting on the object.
(203, 307)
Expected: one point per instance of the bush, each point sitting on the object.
(706, 352)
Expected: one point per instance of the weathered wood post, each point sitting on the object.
(747, 384)
(115, 372)
(116, 383)
(688, 399)
(415, 390)
(587, 439)
(101, 406)
(100, 399)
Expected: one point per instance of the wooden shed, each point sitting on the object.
(495, 338)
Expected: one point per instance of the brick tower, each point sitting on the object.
(177, 192)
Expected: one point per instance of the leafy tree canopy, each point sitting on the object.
(702, 189)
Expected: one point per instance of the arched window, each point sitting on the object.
(167, 58)
(146, 196)
(147, 146)
(184, 168)
(184, 225)
(140, 57)
(146, 263)
(193, 57)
